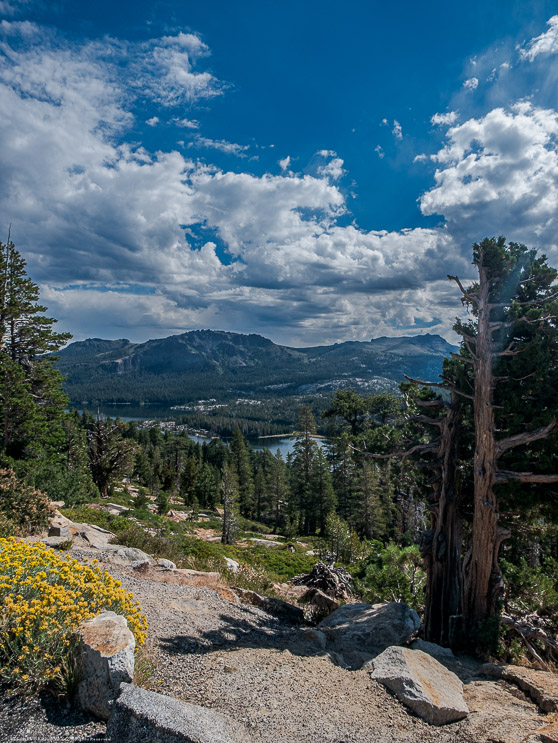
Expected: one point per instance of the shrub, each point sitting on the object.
(532, 589)
(158, 546)
(44, 597)
(394, 574)
(27, 509)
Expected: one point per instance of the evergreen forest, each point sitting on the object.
(442, 493)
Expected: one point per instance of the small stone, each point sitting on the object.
(273, 606)
(232, 565)
(142, 566)
(320, 600)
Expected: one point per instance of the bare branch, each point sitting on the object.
(429, 403)
(527, 630)
(462, 394)
(509, 351)
(459, 357)
(524, 438)
(425, 384)
(466, 292)
(507, 475)
(402, 454)
(425, 419)
(466, 336)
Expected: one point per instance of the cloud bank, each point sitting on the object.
(144, 242)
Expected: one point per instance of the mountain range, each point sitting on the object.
(218, 364)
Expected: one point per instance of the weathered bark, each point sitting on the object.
(483, 580)
(442, 548)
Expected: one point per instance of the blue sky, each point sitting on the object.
(310, 171)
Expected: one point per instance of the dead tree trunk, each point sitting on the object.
(482, 582)
(441, 548)
(497, 289)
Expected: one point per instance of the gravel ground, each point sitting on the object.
(252, 666)
(245, 663)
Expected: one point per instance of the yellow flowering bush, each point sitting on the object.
(43, 598)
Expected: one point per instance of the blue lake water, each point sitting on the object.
(285, 445)
(135, 412)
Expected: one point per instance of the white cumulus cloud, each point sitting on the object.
(546, 43)
(499, 174)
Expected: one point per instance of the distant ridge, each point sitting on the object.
(203, 363)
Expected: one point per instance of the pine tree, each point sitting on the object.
(229, 496)
(278, 490)
(304, 452)
(323, 500)
(110, 455)
(240, 462)
(31, 400)
(369, 518)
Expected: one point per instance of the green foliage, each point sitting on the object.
(340, 542)
(532, 588)
(110, 454)
(157, 546)
(31, 399)
(239, 459)
(162, 503)
(229, 496)
(279, 563)
(141, 500)
(24, 509)
(393, 573)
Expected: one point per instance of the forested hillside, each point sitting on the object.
(207, 363)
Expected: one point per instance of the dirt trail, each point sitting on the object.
(207, 648)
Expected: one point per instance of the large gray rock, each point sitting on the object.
(422, 684)
(141, 716)
(117, 554)
(94, 535)
(360, 632)
(106, 660)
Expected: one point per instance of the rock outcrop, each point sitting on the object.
(141, 716)
(106, 660)
(422, 684)
(542, 686)
(360, 632)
